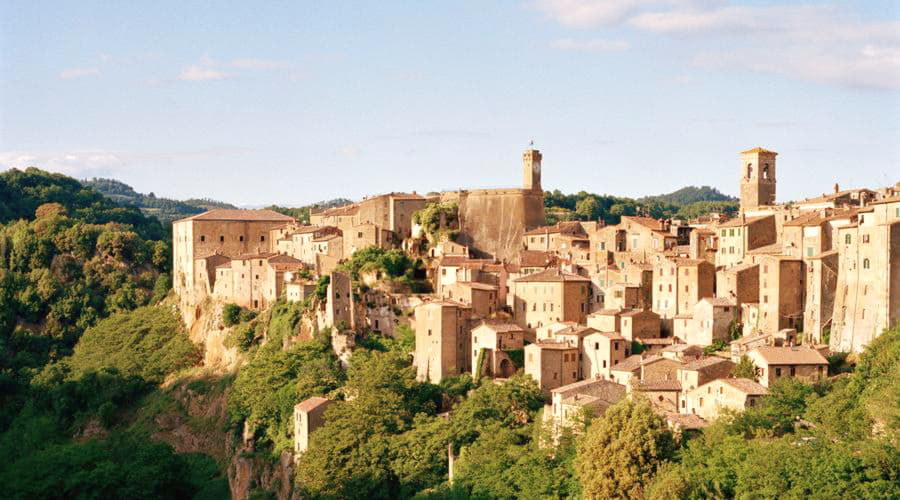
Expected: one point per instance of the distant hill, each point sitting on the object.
(686, 203)
(688, 195)
(302, 213)
(164, 209)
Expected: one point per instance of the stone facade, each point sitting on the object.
(442, 341)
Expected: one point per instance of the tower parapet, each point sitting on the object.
(757, 178)
(531, 169)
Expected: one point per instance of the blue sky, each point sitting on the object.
(294, 102)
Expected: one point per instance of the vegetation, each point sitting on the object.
(164, 209)
(622, 450)
(391, 265)
(832, 440)
(302, 213)
(685, 203)
(148, 342)
(438, 220)
(744, 369)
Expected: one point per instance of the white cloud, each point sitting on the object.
(349, 151)
(818, 43)
(592, 45)
(197, 73)
(91, 162)
(72, 73)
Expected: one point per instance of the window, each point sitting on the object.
(866, 263)
(202, 238)
(731, 232)
(809, 251)
(865, 238)
(221, 239)
(778, 372)
(847, 239)
(604, 363)
(749, 170)
(262, 237)
(793, 371)
(241, 238)
(765, 171)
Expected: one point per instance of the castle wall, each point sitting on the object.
(493, 222)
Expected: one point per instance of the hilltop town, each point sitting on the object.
(593, 312)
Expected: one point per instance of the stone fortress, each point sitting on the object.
(591, 311)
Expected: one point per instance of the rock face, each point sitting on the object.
(209, 331)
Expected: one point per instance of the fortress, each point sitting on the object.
(493, 222)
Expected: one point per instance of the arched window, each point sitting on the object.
(865, 263)
(749, 170)
(765, 171)
(847, 239)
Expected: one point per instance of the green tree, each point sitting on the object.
(745, 369)
(587, 208)
(622, 449)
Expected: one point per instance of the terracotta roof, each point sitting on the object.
(690, 262)
(758, 150)
(284, 259)
(550, 344)
(773, 249)
(807, 219)
(609, 335)
(551, 275)
(890, 199)
(648, 222)
(630, 364)
(501, 326)
(638, 312)
(311, 404)
(351, 209)
(326, 237)
(746, 385)
(576, 330)
(751, 338)
(659, 385)
(704, 363)
(790, 355)
(595, 387)
(719, 301)
(230, 214)
(536, 258)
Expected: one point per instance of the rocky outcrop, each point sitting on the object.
(209, 331)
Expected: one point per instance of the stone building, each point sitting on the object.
(552, 364)
(340, 304)
(585, 398)
(742, 234)
(695, 373)
(490, 342)
(708, 400)
(550, 296)
(773, 363)
(638, 324)
(781, 292)
(867, 299)
(678, 284)
(600, 352)
(711, 320)
(482, 298)
(224, 232)
(757, 178)
(308, 416)
(443, 342)
(492, 222)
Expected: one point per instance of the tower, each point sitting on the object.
(531, 169)
(757, 178)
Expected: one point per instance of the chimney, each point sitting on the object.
(837, 188)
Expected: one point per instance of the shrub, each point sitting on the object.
(231, 314)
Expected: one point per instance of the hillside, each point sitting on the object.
(686, 203)
(164, 209)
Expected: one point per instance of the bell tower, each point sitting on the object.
(757, 178)
(531, 169)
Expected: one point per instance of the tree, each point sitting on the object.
(745, 369)
(622, 449)
(587, 208)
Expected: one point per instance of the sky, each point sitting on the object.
(294, 102)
